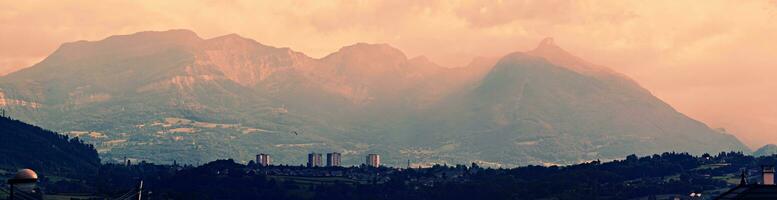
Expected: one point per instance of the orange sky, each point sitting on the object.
(713, 60)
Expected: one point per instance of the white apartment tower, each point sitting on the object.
(333, 159)
(373, 160)
(263, 160)
(314, 160)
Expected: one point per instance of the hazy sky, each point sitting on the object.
(713, 60)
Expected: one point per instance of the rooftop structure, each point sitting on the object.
(746, 191)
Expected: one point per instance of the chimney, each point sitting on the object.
(768, 174)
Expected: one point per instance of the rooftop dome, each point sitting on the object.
(26, 174)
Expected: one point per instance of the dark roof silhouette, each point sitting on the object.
(750, 192)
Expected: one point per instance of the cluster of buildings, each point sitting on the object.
(333, 159)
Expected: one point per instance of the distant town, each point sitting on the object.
(704, 177)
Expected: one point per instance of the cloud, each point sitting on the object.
(497, 12)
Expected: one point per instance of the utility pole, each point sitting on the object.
(140, 190)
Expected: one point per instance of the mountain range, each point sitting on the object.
(171, 95)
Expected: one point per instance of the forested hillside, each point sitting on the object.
(27, 146)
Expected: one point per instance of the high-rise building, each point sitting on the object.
(373, 160)
(263, 160)
(333, 159)
(314, 160)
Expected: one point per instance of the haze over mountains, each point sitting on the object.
(163, 96)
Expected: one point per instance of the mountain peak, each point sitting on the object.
(379, 48)
(139, 43)
(547, 48)
(369, 53)
(230, 37)
(422, 62)
(547, 43)
(234, 41)
(169, 36)
(550, 51)
(766, 150)
(173, 35)
(176, 32)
